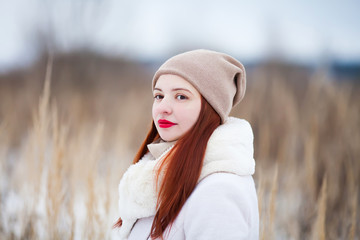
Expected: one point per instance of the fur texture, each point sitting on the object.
(230, 149)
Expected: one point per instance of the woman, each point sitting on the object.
(192, 176)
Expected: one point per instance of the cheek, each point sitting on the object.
(154, 111)
(191, 114)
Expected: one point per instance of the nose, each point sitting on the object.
(164, 106)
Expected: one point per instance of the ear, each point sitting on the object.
(240, 83)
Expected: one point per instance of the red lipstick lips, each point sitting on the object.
(163, 123)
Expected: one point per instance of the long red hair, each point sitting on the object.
(187, 155)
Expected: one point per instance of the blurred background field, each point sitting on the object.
(72, 115)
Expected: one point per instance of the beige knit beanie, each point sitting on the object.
(219, 78)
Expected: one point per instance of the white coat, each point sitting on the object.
(222, 206)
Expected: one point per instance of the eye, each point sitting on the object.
(181, 97)
(158, 96)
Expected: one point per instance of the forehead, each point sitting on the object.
(169, 81)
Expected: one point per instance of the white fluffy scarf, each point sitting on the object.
(229, 149)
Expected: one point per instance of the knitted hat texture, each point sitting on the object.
(219, 78)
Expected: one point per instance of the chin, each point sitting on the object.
(168, 138)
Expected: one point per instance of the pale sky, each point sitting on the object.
(301, 30)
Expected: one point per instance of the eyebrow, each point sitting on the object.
(175, 89)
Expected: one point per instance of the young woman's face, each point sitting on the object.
(176, 106)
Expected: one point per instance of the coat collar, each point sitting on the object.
(230, 149)
(159, 147)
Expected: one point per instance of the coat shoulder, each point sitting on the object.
(226, 186)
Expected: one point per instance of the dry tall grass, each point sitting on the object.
(59, 170)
